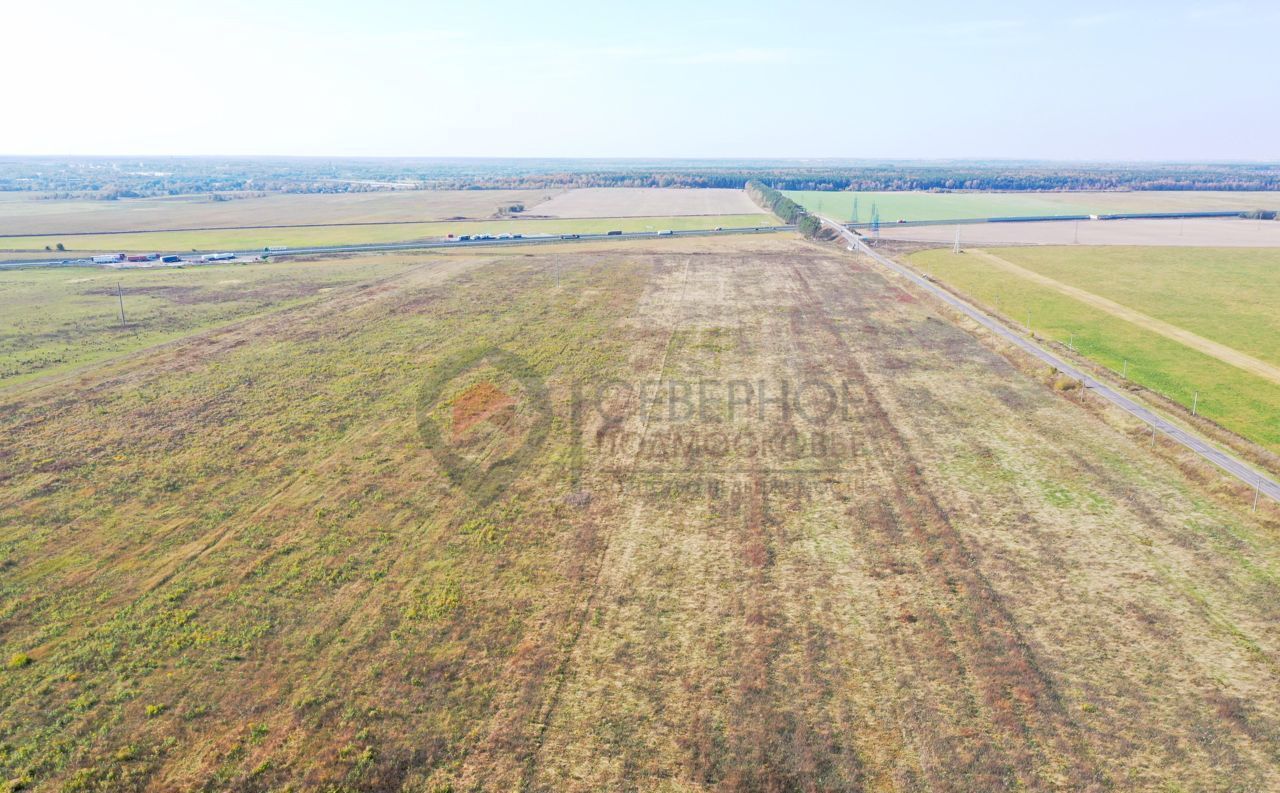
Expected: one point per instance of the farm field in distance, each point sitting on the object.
(1165, 232)
(252, 239)
(957, 205)
(1226, 296)
(234, 560)
(27, 213)
(631, 201)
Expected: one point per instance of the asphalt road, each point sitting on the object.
(194, 258)
(1231, 464)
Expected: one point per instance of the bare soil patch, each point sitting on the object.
(646, 202)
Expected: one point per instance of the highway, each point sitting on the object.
(194, 258)
(1264, 484)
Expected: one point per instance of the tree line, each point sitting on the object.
(789, 211)
(110, 178)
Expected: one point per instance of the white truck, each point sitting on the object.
(108, 258)
(217, 257)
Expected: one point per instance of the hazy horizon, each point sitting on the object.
(815, 80)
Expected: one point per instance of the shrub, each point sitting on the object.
(18, 660)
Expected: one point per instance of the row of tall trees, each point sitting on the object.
(789, 211)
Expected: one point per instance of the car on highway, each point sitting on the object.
(570, 236)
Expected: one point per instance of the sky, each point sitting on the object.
(806, 78)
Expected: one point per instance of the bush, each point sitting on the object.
(18, 660)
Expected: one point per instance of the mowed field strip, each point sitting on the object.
(1181, 335)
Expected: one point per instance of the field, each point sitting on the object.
(56, 320)
(237, 561)
(1194, 232)
(1225, 297)
(298, 236)
(594, 202)
(21, 213)
(950, 206)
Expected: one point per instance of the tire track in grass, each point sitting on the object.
(1037, 740)
(562, 673)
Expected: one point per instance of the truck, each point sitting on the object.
(614, 233)
(665, 233)
(171, 259)
(108, 258)
(217, 257)
(274, 248)
(142, 257)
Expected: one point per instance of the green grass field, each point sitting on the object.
(1224, 295)
(950, 206)
(54, 320)
(248, 239)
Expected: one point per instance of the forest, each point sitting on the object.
(110, 178)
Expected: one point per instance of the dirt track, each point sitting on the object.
(1194, 341)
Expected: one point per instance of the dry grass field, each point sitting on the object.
(301, 236)
(914, 205)
(25, 215)
(231, 563)
(594, 202)
(1190, 233)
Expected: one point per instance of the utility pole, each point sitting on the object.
(1029, 322)
(1125, 372)
(120, 295)
(855, 207)
(1195, 402)
(956, 249)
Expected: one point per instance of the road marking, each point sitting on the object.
(1185, 337)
